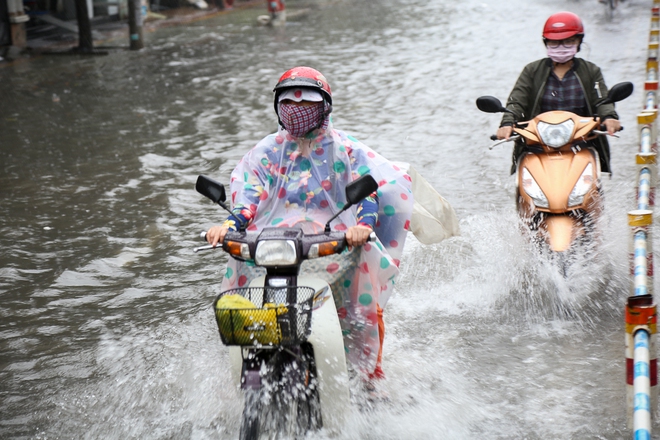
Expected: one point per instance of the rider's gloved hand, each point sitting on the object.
(358, 235)
(216, 234)
(612, 125)
(504, 132)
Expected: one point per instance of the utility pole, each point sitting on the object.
(17, 18)
(135, 24)
(85, 41)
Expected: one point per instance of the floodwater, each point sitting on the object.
(106, 327)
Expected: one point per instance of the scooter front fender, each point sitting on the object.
(560, 231)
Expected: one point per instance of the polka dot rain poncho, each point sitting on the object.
(285, 181)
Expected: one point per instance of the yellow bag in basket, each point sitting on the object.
(242, 323)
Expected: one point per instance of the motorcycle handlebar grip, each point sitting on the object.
(493, 137)
(603, 128)
(202, 235)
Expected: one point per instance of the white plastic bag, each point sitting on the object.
(433, 218)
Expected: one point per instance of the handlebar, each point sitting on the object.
(202, 235)
(603, 132)
(511, 139)
(206, 247)
(604, 128)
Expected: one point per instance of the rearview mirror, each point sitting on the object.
(490, 104)
(211, 189)
(360, 188)
(620, 91)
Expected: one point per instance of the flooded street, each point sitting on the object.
(106, 321)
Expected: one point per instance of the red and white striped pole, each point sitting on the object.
(641, 364)
(641, 310)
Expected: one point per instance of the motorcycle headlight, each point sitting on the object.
(556, 135)
(533, 189)
(582, 187)
(276, 253)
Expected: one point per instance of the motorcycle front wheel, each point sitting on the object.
(286, 405)
(250, 428)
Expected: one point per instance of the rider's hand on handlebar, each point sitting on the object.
(216, 234)
(612, 125)
(358, 235)
(504, 132)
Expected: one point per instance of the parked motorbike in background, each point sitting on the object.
(558, 186)
(283, 332)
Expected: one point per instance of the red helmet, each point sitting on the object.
(562, 25)
(303, 77)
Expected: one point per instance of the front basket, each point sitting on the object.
(285, 317)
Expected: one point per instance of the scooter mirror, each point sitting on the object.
(620, 91)
(360, 188)
(211, 189)
(490, 104)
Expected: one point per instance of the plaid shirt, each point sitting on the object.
(566, 94)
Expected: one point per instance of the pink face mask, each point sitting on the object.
(561, 54)
(299, 120)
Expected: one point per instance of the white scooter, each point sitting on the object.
(287, 351)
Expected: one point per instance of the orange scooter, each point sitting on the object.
(558, 190)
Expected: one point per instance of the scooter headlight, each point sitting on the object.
(556, 135)
(533, 189)
(584, 183)
(275, 253)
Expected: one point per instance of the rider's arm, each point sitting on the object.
(504, 132)
(367, 216)
(240, 215)
(612, 125)
(367, 211)
(245, 198)
(595, 89)
(525, 92)
(607, 113)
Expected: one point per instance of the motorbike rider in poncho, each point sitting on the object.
(297, 177)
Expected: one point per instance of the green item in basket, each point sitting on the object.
(242, 323)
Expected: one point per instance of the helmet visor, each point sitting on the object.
(300, 94)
